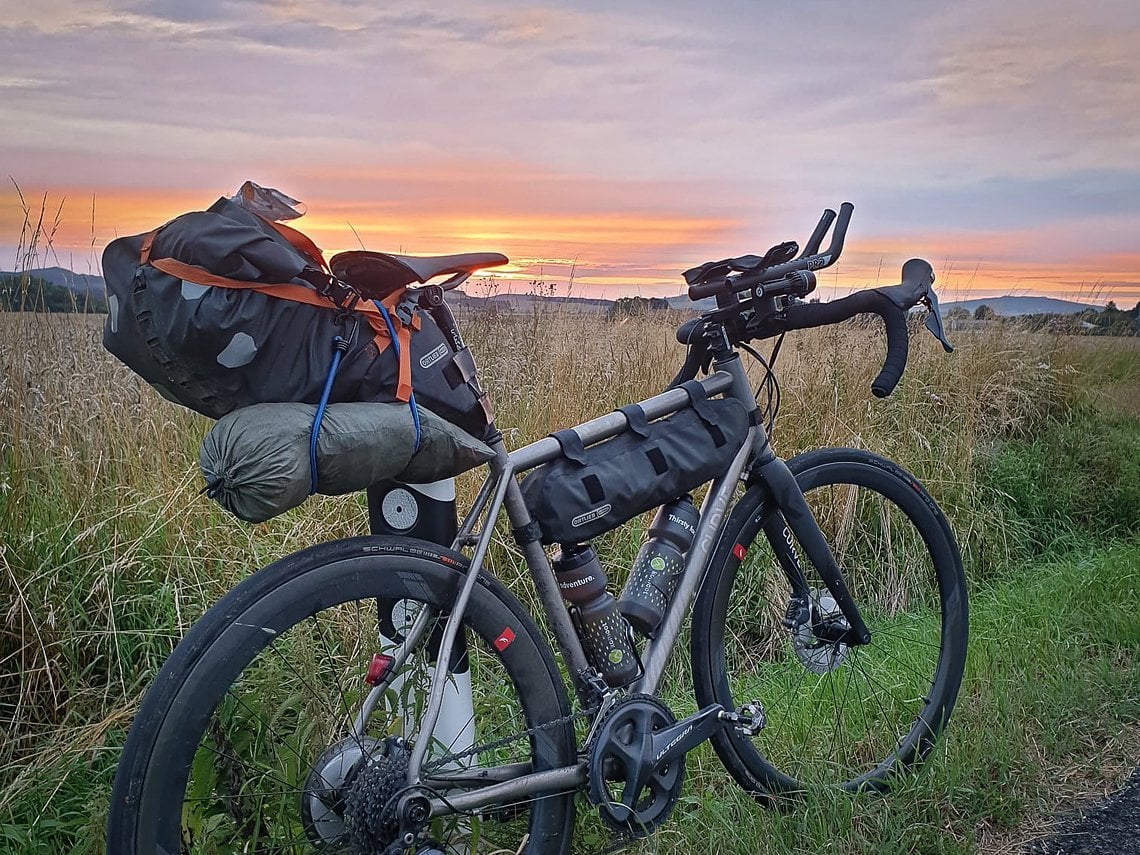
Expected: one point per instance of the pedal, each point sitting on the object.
(748, 720)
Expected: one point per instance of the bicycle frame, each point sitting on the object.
(501, 489)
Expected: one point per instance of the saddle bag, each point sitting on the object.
(589, 491)
(217, 310)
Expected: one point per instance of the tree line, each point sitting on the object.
(21, 293)
(1110, 320)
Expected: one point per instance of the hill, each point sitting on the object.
(1010, 306)
(21, 292)
(1007, 306)
(87, 286)
(527, 302)
(82, 285)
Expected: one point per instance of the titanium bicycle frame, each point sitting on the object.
(501, 489)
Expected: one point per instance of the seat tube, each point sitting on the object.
(425, 511)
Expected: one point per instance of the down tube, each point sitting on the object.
(713, 512)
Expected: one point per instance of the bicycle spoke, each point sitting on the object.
(881, 535)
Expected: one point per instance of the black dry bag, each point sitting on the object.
(589, 491)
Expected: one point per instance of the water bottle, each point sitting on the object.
(659, 564)
(605, 634)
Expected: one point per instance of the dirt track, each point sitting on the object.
(1111, 828)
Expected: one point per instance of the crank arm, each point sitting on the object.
(681, 738)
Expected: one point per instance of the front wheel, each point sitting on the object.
(834, 715)
(251, 738)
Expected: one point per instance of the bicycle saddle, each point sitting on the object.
(378, 274)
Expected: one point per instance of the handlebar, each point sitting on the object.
(816, 238)
(891, 303)
(807, 315)
(808, 261)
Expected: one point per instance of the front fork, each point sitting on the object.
(784, 494)
(793, 517)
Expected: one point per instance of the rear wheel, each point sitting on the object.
(245, 742)
(835, 715)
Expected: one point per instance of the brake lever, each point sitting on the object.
(917, 286)
(933, 321)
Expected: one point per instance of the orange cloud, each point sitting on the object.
(608, 253)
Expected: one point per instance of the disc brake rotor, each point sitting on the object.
(816, 654)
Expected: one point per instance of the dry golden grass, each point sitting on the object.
(100, 478)
(109, 553)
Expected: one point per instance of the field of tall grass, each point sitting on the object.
(1030, 443)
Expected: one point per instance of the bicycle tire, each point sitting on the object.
(178, 787)
(902, 564)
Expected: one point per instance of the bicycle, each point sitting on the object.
(279, 724)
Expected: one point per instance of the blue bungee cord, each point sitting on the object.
(396, 345)
(340, 347)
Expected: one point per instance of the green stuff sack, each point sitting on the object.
(256, 460)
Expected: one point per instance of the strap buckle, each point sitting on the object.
(340, 294)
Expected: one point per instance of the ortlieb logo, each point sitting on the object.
(433, 356)
(590, 516)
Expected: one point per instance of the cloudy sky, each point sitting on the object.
(612, 144)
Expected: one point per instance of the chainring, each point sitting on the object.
(633, 796)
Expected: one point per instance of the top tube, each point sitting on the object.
(612, 424)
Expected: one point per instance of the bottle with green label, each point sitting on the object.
(659, 564)
(604, 632)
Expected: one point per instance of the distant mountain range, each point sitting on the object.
(526, 302)
(81, 284)
(1014, 306)
(88, 285)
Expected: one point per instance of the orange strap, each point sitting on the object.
(148, 242)
(301, 294)
(201, 276)
(404, 383)
(301, 242)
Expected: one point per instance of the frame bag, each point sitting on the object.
(589, 491)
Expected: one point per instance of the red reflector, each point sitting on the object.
(378, 668)
(504, 640)
(738, 551)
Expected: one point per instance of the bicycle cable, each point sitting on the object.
(769, 384)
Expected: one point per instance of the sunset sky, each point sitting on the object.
(614, 144)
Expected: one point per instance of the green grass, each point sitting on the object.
(1050, 705)
(1078, 475)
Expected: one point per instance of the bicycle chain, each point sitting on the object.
(620, 839)
(514, 737)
